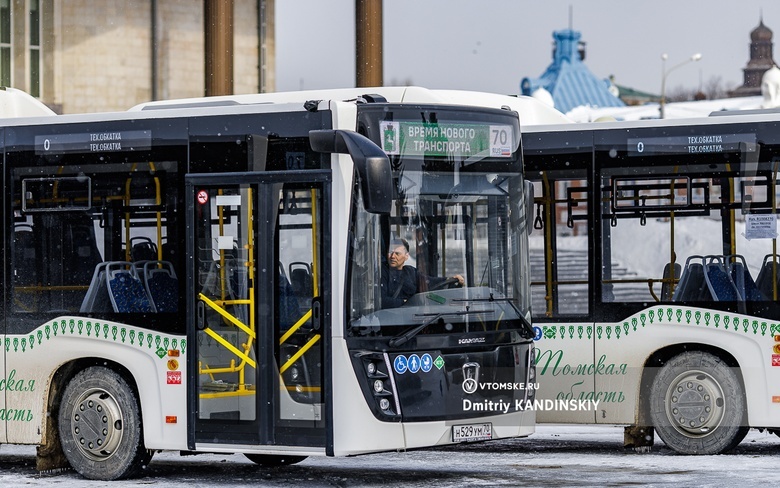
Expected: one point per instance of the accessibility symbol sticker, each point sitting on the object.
(400, 364)
(427, 362)
(414, 363)
(537, 333)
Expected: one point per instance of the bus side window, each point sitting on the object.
(53, 255)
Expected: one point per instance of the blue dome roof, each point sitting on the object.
(568, 80)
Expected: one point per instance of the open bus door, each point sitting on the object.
(258, 325)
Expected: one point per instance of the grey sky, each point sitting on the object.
(490, 45)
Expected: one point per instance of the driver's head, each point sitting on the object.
(398, 253)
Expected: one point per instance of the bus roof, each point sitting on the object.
(16, 103)
(531, 111)
(714, 119)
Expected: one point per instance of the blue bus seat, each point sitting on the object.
(764, 282)
(142, 249)
(302, 284)
(693, 284)
(287, 302)
(161, 285)
(125, 289)
(740, 273)
(665, 285)
(719, 280)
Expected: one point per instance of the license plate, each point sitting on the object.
(472, 432)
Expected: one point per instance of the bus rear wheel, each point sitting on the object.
(100, 426)
(269, 461)
(697, 404)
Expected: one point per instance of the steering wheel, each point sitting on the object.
(445, 284)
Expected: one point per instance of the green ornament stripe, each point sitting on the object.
(657, 315)
(124, 334)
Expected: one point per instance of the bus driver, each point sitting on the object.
(400, 282)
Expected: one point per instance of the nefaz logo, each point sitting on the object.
(775, 359)
(470, 377)
(173, 377)
(472, 340)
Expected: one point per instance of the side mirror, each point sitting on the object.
(372, 164)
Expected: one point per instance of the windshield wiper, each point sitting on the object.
(404, 338)
(528, 327)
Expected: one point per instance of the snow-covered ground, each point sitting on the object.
(557, 455)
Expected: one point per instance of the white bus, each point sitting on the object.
(655, 276)
(205, 276)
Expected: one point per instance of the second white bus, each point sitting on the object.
(656, 270)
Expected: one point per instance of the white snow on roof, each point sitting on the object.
(676, 110)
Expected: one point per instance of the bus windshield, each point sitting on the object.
(449, 257)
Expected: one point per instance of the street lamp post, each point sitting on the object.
(665, 73)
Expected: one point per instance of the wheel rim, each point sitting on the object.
(96, 424)
(695, 404)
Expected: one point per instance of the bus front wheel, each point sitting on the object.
(268, 460)
(697, 404)
(100, 426)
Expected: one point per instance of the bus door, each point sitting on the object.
(258, 282)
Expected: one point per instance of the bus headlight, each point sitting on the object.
(376, 370)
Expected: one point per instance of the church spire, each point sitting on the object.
(761, 59)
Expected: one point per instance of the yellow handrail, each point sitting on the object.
(300, 353)
(295, 327)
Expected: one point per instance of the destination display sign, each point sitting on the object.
(693, 144)
(94, 142)
(443, 139)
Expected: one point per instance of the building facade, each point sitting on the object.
(81, 56)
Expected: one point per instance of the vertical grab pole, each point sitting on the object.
(549, 198)
(250, 265)
(127, 214)
(222, 277)
(157, 202)
(314, 245)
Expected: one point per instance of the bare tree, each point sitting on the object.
(712, 89)
(680, 94)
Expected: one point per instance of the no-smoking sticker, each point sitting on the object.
(202, 197)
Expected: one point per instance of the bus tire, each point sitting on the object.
(100, 426)
(696, 404)
(269, 460)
